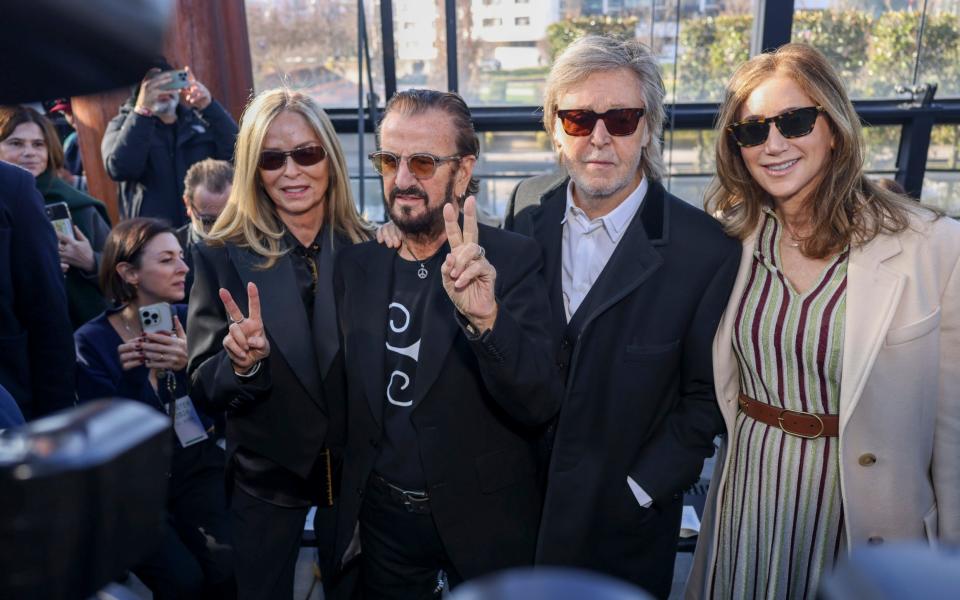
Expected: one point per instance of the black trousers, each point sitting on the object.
(402, 553)
(195, 556)
(266, 545)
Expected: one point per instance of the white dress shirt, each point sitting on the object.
(587, 246)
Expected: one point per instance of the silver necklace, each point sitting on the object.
(422, 272)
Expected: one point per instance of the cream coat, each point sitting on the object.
(899, 392)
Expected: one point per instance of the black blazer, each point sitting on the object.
(639, 386)
(480, 402)
(283, 413)
(37, 357)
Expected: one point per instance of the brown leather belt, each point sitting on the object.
(795, 422)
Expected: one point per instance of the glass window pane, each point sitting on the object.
(689, 188)
(287, 50)
(505, 159)
(506, 47)
(420, 43)
(690, 151)
(872, 44)
(940, 57)
(941, 183)
(881, 145)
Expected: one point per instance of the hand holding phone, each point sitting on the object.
(164, 348)
(59, 215)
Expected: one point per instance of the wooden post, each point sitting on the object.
(91, 115)
(209, 37)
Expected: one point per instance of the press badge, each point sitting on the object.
(186, 423)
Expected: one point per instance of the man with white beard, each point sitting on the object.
(169, 123)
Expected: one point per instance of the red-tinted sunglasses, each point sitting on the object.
(618, 121)
(271, 160)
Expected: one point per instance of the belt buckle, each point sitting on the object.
(800, 412)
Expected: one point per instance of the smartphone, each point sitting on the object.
(178, 81)
(59, 215)
(156, 318)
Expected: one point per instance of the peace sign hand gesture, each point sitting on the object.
(246, 341)
(468, 276)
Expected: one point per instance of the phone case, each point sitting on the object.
(156, 318)
(59, 215)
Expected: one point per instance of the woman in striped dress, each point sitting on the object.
(835, 360)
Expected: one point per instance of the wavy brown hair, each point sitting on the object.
(848, 208)
(12, 117)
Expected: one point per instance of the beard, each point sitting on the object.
(428, 225)
(592, 188)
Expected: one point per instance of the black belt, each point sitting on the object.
(415, 501)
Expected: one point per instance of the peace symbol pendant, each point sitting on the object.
(422, 272)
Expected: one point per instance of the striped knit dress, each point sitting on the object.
(781, 518)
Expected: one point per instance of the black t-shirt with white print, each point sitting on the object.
(399, 459)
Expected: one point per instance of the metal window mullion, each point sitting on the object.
(913, 151)
(450, 17)
(389, 51)
(772, 26)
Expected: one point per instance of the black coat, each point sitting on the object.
(151, 180)
(639, 386)
(284, 414)
(479, 401)
(37, 357)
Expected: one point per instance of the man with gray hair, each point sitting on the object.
(638, 280)
(206, 189)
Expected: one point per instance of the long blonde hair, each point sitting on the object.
(250, 218)
(848, 207)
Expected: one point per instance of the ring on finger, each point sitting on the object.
(238, 321)
(162, 357)
(481, 253)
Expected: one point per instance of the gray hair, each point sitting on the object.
(215, 175)
(594, 53)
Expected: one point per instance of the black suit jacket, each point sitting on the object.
(639, 385)
(37, 356)
(283, 413)
(479, 405)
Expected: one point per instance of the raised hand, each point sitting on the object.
(151, 89)
(195, 95)
(246, 341)
(468, 276)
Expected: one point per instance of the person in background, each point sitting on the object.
(290, 212)
(72, 171)
(28, 140)
(159, 133)
(143, 265)
(836, 361)
(206, 189)
(36, 346)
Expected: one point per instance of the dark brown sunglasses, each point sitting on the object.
(619, 121)
(271, 160)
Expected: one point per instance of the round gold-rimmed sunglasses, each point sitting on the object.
(421, 164)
